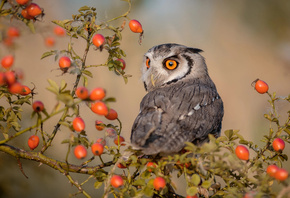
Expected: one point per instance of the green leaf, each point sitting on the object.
(66, 141)
(46, 54)
(148, 191)
(122, 53)
(229, 133)
(125, 79)
(221, 139)
(98, 184)
(133, 158)
(64, 123)
(52, 89)
(84, 8)
(220, 193)
(139, 182)
(88, 73)
(15, 125)
(192, 191)
(53, 85)
(111, 99)
(195, 179)
(243, 142)
(61, 23)
(6, 136)
(31, 26)
(206, 184)
(66, 99)
(85, 81)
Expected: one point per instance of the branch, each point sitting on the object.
(284, 192)
(55, 164)
(123, 15)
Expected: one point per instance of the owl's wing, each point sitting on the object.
(171, 116)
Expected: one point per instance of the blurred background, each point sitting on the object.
(242, 41)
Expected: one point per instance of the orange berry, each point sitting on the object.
(64, 63)
(242, 152)
(80, 152)
(151, 166)
(195, 196)
(7, 61)
(78, 124)
(272, 169)
(22, 2)
(97, 94)
(117, 181)
(38, 106)
(16, 88)
(121, 140)
(159, 183)
(135, 26)
(120, 165)
(82, 93)
(25, 90)
(13, 32)
(278, 144)
(101, 141)
(98, 40)
(8, 41)
(99, 108)
(49, 41)
(97, 149)
(34, 10)
(59, 31)
(2, 79)
(99, 125)
(10, 77)
(112, 115)
(261, 87)
(281, 174)
(33, 142)
(25, 14)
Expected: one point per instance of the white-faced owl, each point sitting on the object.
(182, 103)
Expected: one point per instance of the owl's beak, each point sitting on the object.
(152, 80)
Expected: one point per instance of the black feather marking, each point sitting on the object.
(145, 86)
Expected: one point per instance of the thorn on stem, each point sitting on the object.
(20, 167)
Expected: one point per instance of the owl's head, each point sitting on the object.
(168, 63)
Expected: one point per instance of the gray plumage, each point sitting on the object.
(182, 104)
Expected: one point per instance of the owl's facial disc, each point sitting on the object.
(168, 63)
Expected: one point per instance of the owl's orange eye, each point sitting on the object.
(148, 63)
(170, 64)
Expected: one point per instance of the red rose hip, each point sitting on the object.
(278, 144)
(78, 124)
(135, 26)
(117, 181)
(38, 106)
(80, 152)
(242, 152)
(33, 142)
(261, 87)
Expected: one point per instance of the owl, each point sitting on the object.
(182, 103)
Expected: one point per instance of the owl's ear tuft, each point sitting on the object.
(194, 50)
